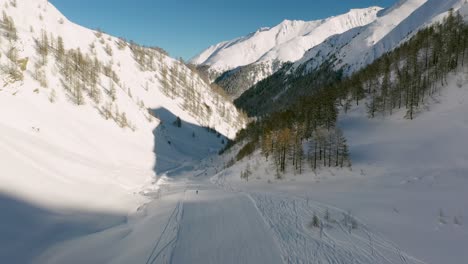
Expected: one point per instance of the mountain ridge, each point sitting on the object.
(261, 53)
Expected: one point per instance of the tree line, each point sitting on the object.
(305, 133)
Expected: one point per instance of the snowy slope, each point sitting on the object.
(407, 186)
(401, 208)
(285, 42)
(67, 170)
(50, 145)
(361, 46)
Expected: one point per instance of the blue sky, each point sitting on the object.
(186, 27)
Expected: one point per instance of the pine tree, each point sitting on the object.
(178, 122)
(123, 120)
(112, 91)
(164, 81)
(108, 50)
(315, 221)
(78, 92)
(53, 96)
(60, 49)
(107, 110)
(42, 47)
(9, 27)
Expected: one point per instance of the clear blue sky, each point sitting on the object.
(186, 27)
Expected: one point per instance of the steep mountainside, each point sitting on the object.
(357, 48)
(85, 113)
(343, 54)
(249, 59)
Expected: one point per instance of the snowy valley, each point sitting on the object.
(345, 144)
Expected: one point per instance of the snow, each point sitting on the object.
(66, 171)
(71, 152)
(238, 234)
(359, 47)
(407, 186)
(285, 42)
(75, 188)
(71, 161)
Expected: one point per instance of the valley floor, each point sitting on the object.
(404, 201)
(222, 225)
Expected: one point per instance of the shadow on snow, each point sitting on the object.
(178, 149)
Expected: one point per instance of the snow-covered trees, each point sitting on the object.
(407, 76)
(90, 77)
(60, 49)
(8, 27)
(108, 49)
(41, 77)
(53, 96)
(13, 67)
(42, 48)
(164, 81)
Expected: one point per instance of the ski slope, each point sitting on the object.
(220, 227)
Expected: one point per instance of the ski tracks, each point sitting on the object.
(164, 245)
(339, 241)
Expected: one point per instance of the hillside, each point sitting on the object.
(383, 144)
(343, 54)
(407, 184)
(358, 48)
(81, 110)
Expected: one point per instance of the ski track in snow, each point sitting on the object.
(161, 252)
(222, 227)
(290, 217)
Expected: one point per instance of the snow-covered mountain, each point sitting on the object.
(86, 114)
(265, 50)
(359, 47)
(346, 52)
